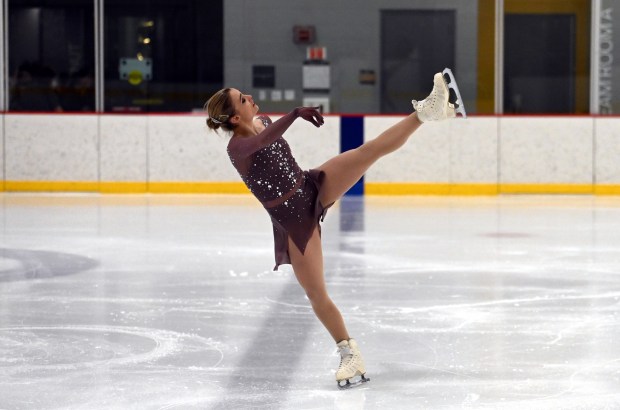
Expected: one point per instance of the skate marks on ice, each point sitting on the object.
(36, 349)
(24, 264)
(522, 320)
(135, 359)
(437, 379)
(447, 316)
(262, 376)
(497, 352)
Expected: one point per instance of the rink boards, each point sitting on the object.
(483, 155)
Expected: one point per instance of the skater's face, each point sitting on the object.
(244, 104)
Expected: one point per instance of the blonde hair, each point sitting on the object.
(220, 110)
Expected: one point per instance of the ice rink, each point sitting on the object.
(166, 302)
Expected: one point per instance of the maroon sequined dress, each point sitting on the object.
(289, 195)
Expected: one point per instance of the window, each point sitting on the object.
(162, 55)
(51, 55)
(168, 55)
(547, 56)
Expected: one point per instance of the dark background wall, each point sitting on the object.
(261, 33)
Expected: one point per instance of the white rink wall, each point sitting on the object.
(2, 154)
(51, 148)
(176, 153)
(454, 152)
(135, 153)
(510, 154)
(607, 150)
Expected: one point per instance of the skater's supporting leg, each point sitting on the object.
(308, 269)
(309, 272)
(344, 170)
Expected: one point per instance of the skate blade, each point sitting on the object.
(348, 384)
(455, 94)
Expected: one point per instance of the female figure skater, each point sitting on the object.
(297, 200)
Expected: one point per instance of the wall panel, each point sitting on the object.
(51, 149)
(607, 153)
(176, 153)
(182, 149)
(123, 145)
(425, 158)
(2, 153)
(473, 151)
(546, 152)
(313, 146)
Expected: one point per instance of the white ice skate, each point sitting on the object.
(351, 371)
(443, 102)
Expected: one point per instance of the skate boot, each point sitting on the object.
(443, 102)
(351, 365)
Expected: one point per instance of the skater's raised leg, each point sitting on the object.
(344, 170)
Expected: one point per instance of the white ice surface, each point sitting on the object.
(163, 302)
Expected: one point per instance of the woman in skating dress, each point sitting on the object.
(297, 200)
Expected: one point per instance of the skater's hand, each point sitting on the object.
(311, 114)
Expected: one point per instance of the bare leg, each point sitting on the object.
(344, 170)
(309, 272)
(341, 172)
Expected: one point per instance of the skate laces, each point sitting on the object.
(347, 358)
(436, 105)
(435, 99)
(344, 351)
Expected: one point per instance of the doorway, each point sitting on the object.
(539, 70)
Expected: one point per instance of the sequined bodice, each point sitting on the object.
(272, 171)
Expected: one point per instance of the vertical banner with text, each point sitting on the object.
(608, 58)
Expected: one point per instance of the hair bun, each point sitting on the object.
(220, 109)
(212, 124)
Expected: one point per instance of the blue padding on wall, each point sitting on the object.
(352, 136)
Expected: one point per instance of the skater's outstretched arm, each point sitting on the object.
(246, 146)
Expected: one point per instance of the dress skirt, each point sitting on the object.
(298, 216)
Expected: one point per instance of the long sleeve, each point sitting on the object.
(244, 147)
